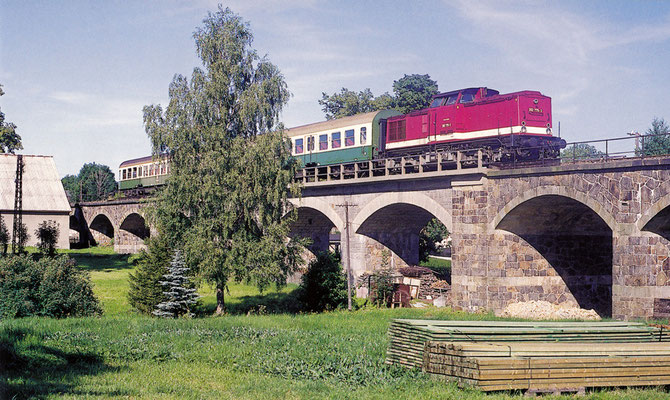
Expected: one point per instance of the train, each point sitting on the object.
(503, 127)
(513, 126)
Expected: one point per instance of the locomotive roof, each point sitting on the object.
(462, 90)
(339, 122)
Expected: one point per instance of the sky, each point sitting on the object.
(76, 74)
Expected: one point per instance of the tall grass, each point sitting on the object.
(248, 355)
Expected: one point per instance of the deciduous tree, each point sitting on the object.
(10, 141)
(231, 174)
(413, 92)
(658, 140)
(94, 182)
(581, 151)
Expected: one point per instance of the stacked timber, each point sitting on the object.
(407, 337)
(548, 366)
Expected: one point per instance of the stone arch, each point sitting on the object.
(565, 242)
(392, 222)
(416, 199)
(320, 206)
(553, 190)
(135, 224)
(653, 219)
(102, 229)
(132, 232)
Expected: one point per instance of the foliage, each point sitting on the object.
(145, 290)
(231, 170)
(180, 296)
(51, 287)
(22, 237)
(348, 102)
(580, 151)
(324, 285)
(94, 182)
(10, 141)
(47, 236)
(413, 92)
(381, 287)
(433, 233)
(4, 236)
(659, 143)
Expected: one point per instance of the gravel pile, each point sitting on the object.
(544, 310)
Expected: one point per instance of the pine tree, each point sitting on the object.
(180, 297)
(145, 290)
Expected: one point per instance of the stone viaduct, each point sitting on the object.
(593, 234)
(120, 222)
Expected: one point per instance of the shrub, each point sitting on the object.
(47, 236)
(145, 290)
(51, 287)
(4, 236)
(324, 285)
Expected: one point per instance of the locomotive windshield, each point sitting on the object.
(444, 101)
(468, 96)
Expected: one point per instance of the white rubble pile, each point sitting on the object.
(544, 310)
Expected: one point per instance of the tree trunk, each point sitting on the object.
(220, 308)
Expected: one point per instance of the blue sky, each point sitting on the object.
(77, 73)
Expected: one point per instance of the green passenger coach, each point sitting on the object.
(355, 138)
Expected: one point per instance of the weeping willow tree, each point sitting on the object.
(225, 202)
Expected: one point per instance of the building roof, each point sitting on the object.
(42, 187)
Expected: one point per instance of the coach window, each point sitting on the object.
(298, 146)
(349, 137)
(134, 172)
(124, 173)
(310, 143)
(337, 141)
(144, 171)
(323, 142)
(364, 135)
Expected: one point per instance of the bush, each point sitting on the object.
(145, 289)
(4, 236)
(324, 285)
(51, 287)
(47, 236)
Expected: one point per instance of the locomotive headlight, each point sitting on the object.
(536, 101)
(548, 131)
(523, 129)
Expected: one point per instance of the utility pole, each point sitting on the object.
(17, 229)
(346, 206)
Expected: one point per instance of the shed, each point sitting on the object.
(43, 195)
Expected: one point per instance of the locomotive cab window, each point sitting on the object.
(349, 137)
(364, 135)
(323, 142)
(437, 102)
(310, 143)
(336, 140)
(298, 146)
(468, 96)
(451, 100)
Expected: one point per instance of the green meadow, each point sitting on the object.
(257, 351)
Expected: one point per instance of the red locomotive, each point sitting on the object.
(514, 125)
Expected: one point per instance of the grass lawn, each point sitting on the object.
(245, 355)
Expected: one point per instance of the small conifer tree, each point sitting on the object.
(145, 290)
(180, 297)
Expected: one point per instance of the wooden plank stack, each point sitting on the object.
(407, 337)
(548, 366)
